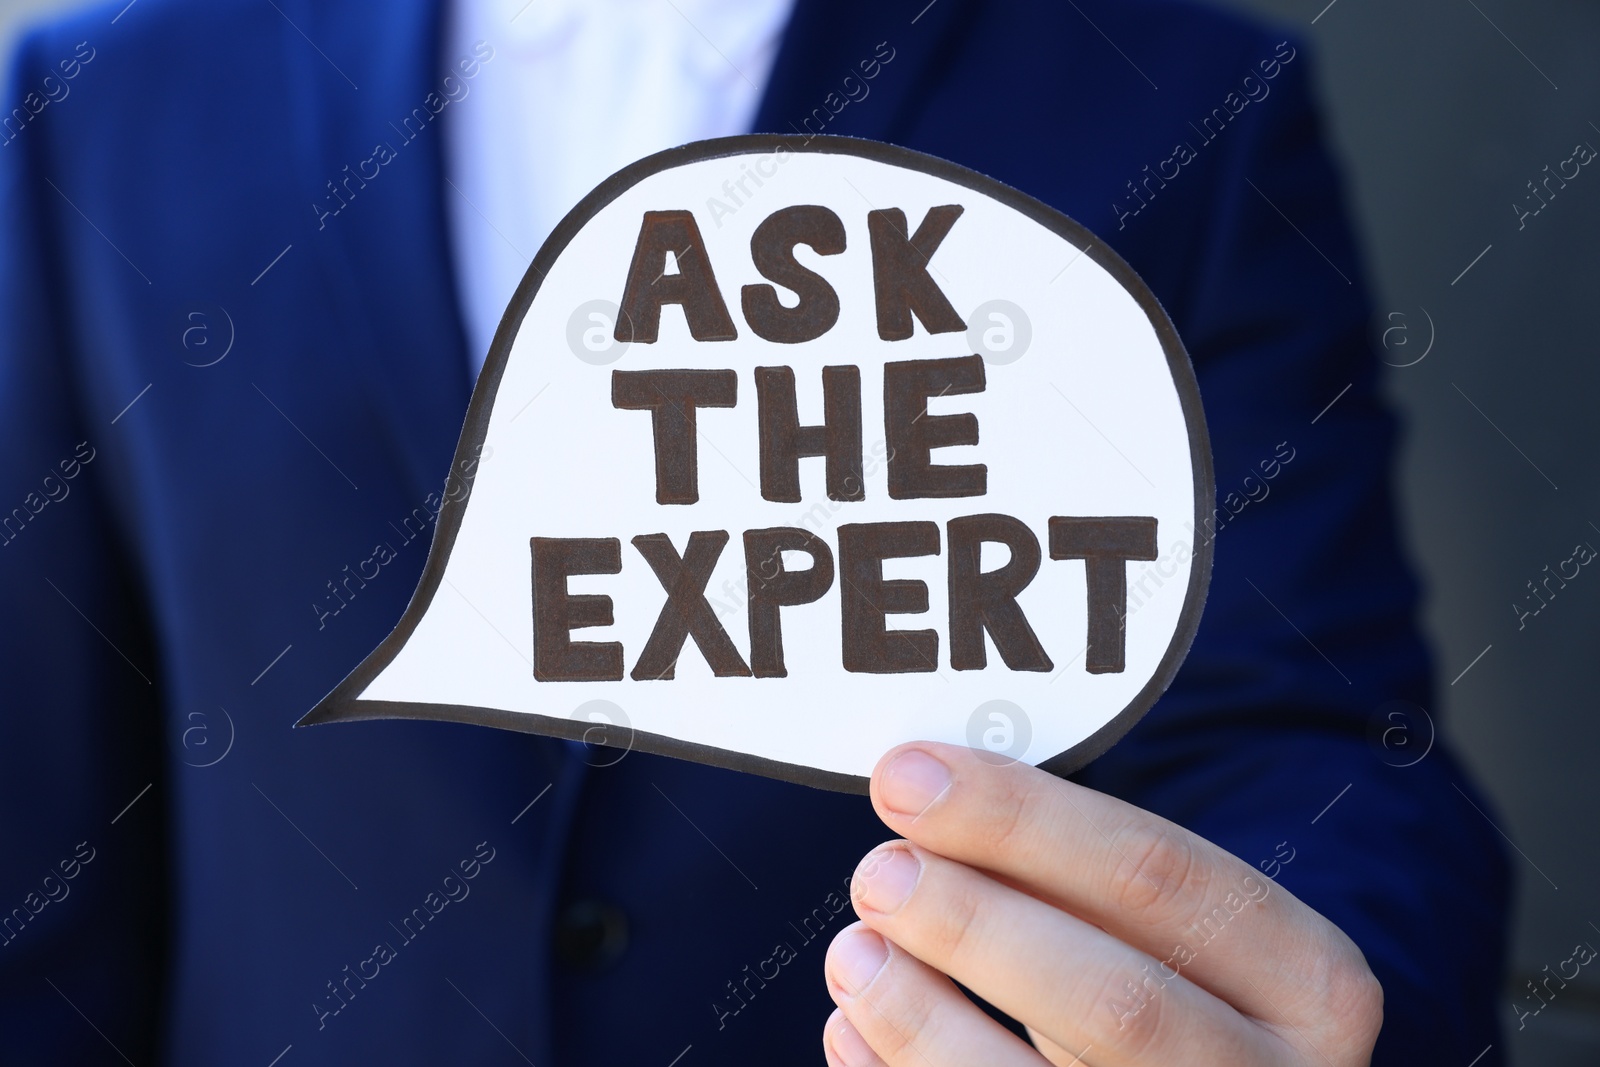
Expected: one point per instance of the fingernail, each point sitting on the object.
(850, 1047)
(885, 879)
(855, 959)
(912, 781)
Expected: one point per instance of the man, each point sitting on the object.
(242, 303)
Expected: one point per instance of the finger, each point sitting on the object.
(1058, 1056)
(1147, 881)
(1067, 979)
(844, 1046)
(909, 1015)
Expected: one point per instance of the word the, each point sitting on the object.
(55, 91)
(411, 527)
(1183, 153)
(384, 153)
(1151, 982)
(1581, 555)
(821, 513)
(33, 903)
(1581, 155)
(1582, 954)
(783, 953)
(55, 489)
(455, 890)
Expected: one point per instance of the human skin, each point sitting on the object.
(1064, 908)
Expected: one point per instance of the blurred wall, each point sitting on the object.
(1443, 111)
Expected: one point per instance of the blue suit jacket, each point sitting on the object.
(187, 878)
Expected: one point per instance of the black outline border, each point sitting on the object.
(342, 705)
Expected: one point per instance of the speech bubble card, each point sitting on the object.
(788, 452)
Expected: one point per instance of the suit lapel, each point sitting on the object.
(361, 69)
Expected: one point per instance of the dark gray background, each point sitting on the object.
(1441, 111)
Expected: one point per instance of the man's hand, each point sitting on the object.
(1115, 936)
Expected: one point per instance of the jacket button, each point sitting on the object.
(590, 935)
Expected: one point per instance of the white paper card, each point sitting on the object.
(841, 446)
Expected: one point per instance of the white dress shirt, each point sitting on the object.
(573, 91)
